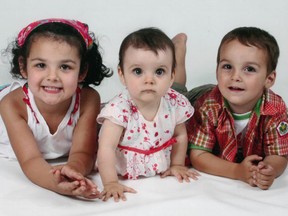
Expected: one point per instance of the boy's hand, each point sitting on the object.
(247, 168)
(264, 175)
(181, 172)
(115, 190)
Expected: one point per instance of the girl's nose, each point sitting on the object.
(52, 75)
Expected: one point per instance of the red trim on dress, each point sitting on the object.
(151, 150)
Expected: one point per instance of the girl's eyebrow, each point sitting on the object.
(37, 59)
(62, 61)
(68, 61)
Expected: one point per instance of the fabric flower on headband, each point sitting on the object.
(82, 28)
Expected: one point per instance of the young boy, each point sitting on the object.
(240, 127)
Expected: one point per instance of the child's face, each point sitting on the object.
(52, 71)
(242, 75)
(146, 75)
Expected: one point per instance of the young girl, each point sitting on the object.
(144, 126)
(52, 111)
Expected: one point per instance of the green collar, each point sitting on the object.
(241, 116)
(256, 109)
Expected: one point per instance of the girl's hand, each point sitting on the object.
(181, 172)
(115, 190)
(70, 182)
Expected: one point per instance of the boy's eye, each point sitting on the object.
(227, 66)
(250, 69)
(159, 72)
(137, 71)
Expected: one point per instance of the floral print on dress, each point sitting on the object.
(137, 153)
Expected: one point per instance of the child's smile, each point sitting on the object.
(52, 71)
(242, 75)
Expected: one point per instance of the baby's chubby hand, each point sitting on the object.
(115, 190)
(181, 173)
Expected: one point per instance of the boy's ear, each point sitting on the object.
(22, 68)
(270, 80)
(121, 75)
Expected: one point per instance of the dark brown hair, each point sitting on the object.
(252, 36)
(151, 38)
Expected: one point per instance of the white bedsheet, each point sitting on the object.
(210, 195)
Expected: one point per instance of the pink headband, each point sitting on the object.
(82, 28)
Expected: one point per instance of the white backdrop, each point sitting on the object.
(204, 21)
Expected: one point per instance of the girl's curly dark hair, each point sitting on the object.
(91, 59)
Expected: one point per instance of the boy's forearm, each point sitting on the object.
(279, 163)
(211, 164)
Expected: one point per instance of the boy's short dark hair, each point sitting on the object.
(252, 36)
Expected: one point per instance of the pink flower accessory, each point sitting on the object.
(82, 28)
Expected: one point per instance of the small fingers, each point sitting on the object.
(181, 173)
(117, 192)
(69, 188)
(179, 177)
(71, 173)
(251, 182)
(262, 184)
(86, 192)
(186, 178)
(129, 190)
(193, 174)
(90, 183)
(165, 174)
(262, 181)
(119, 195)
(190, 174)
(106, 195)
(57, 176)
(90, 192)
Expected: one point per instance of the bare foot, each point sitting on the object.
(179, 41)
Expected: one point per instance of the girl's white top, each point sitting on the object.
(50, 145)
